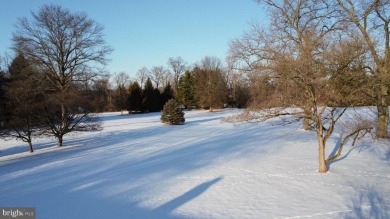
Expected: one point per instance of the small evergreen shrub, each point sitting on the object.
(172, 113)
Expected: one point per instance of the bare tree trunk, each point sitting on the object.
(63, 124)
(322, 168)
(382, 123)
(383, 112)
(60, 140)
(30, 146)
(306, 122)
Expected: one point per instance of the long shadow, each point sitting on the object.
(336, 147)
(126, 115)
(166, 209)
(116, 178)
(195, 122)
(344, 156)
(69, 140)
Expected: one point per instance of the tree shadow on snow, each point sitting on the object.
(165, 210)
(362, 146)
(117, 178)
(342, 157)
(369, 203)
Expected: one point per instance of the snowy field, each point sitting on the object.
(139, 168)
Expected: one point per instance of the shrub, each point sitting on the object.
(172, 113)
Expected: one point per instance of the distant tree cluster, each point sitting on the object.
(148, 99)
(206, 85)
(60, 65)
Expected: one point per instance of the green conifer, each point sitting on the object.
(172, 113)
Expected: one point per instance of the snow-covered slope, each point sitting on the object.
(139, 168)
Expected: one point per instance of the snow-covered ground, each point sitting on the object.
(139, 168)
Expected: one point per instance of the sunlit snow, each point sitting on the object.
(137, 167)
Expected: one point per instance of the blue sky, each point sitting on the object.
(149, 32)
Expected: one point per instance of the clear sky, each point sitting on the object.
(149, 32)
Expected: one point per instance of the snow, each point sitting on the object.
(136, 167)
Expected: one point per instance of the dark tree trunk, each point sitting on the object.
(60, 140)
(30, 146)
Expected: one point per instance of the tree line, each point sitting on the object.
(32, 107)
(314, 61)
(57, 80)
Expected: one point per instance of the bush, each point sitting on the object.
(172, 113)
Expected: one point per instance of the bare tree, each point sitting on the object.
(142, 75)
(159, 75)
(327, 104)
(67, 47)
(122, 79)
(300, 58)
(372, 19)
(178, 67)
(238, 88)
(78, 116)
(210, 63)
(103, 92)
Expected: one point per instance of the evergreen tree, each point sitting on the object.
(210, 87)
(172, 113)
(185, 94)
(2, 99)
(147, 96)
(167, 94)
(24, 94)
(120, 98)
(156, 101)
(134, 103)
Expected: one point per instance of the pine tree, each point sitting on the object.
(24, 94)
(185, 93)
(156, 101)
(147, 96)
(172, 113)
(167, 94)
(120, 98)
(2, 99)
(134, 103)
